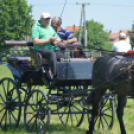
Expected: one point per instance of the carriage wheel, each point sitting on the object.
(70, 111)
(10, 104)
(23, 95)
(37, 112)
(105, 119)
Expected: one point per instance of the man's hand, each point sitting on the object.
(65, 42)
(52, 39)
(57, 41)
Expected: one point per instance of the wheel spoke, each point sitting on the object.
(34, 101)
(16, 108)
(77, 108)
(30, 119)
(31, 106)
(8, 85)
(41, 129)
(102, 123)
(43, 122)
(41, 99)
(75, 115)
(13, 117)
(107, 108)
(67, 118)
(33, 125)
(28, 112)
(14, 99)
(9, 113)
(99, 124)
(71, 116)
(2, 109)
(36, 125)
(3, 85)
(104, 104)
(105, 120)
(107, 115)
(37, 101)
(2, 117)
(2, 98)
(61, 115)
(6, 120)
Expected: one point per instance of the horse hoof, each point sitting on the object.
(88, 132)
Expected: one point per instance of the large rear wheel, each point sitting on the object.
(70, 111)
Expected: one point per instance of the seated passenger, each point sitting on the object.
(65, 36)
(122, 45)
(45, 40)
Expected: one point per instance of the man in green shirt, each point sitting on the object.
(45, 40)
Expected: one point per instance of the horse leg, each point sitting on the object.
(90, 98)
(122, 99)
(98, 95)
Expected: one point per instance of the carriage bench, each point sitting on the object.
(68, 70)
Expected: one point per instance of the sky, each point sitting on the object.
(115, 15)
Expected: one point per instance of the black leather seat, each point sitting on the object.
(19, 60)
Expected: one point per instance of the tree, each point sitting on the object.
(96, 36)
(15, 20)
(131, 35)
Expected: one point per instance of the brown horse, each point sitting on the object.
(106, 68)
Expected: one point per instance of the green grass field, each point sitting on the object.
(56, 127)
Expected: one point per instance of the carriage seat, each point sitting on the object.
(131, 53)
(36, 58)
(18, 60)
(24, 60)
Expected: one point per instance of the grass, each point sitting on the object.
(56, 127)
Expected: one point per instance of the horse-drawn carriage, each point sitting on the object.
(64, 95)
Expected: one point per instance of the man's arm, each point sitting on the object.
(69, 39)
(73, 40)
(40, 42)
(37, 41)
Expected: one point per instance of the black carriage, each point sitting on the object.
(74, 75)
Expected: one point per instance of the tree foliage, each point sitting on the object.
(131, 35)
(15, 20)
(96, 36)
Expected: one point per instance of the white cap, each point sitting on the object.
(122, 35)
(45, 15)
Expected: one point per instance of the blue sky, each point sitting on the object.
(115, 15)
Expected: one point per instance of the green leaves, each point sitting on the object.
(97, 37)
(15, 20)
(131, 34)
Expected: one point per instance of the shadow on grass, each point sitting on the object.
(53, 129)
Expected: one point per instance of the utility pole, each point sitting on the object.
(83, 15)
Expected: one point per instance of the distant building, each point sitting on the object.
(114, 37)
(72, 29)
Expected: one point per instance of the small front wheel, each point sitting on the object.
(37, 112)
(105, 119)
(10, 104)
